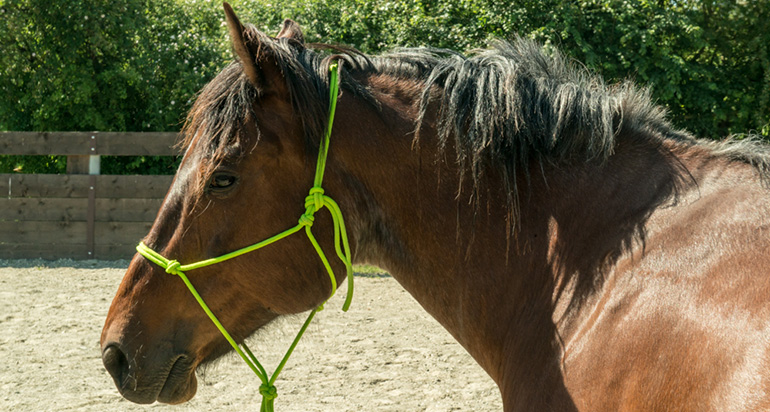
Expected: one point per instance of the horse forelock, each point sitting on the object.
(216, 117)
(215, 121)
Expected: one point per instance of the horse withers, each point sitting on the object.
(587, 254)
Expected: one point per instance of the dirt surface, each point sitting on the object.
(385, 354)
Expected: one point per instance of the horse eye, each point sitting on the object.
(221, 181)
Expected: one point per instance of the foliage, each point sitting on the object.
(705, 60)
(33, 164)
(135, 65)
(122, 65)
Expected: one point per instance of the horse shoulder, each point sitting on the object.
(684, 320)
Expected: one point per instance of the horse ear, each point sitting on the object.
(290, 30)
(258, 63)
(248, 61)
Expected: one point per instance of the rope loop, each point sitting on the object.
(306, 219)
(317, 197)
(269, 392)
(172, 268)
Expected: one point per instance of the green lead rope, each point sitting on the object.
(315, 201)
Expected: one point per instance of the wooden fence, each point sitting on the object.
(81, 214)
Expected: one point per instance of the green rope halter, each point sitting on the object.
(315, 201)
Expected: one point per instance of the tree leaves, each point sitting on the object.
(135, 65)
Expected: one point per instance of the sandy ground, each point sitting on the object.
(385, 354)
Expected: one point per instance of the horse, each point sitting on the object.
(585, 252)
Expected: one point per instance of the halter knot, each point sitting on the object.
(268, 391)
(172, 268)
(317, 197)
(306, 219)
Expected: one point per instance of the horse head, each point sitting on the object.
(244, 177)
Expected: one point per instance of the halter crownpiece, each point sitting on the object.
(315, 201)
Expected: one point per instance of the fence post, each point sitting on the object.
(94, 166)
(91, 165)
(77, 164)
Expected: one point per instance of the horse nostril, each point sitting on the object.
(116, 363)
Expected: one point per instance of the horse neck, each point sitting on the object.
(501, 295)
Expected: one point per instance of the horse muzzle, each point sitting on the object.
(170, 379)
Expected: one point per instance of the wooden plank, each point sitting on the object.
(137, 144)
(23, 185)
(80, 143)
(42, 232)
(65, 251)
(127, 210)
(76, 186)
(107, 233)
(75, 209)
(121, 233)
(113, 252)
(133, 186)
(42, 251)
(43, 209)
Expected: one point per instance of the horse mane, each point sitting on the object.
(502, 107)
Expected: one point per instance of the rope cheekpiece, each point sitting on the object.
(315, 201)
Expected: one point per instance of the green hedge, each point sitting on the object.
(135, 65)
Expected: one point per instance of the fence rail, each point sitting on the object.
(81, 214)
(88, 143)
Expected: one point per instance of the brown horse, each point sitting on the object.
(589, 256)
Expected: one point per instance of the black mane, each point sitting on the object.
(503, 107)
